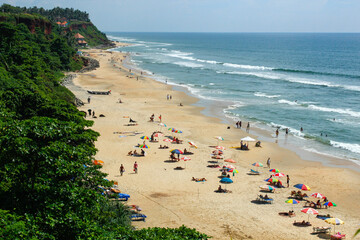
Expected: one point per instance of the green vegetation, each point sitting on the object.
(49, 188)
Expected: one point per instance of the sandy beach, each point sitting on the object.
(168, 197)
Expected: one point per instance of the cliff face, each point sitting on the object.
(31, 23)
(34, 23)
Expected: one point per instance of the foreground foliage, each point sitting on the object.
(49, 187)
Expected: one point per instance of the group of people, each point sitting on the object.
(163, 147)
(177, 140)
(168, 97)
(122, 168)
(135, 153)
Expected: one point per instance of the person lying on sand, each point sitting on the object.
(130, 153)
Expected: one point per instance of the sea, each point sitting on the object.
(272, 80)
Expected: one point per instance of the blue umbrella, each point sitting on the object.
(226, 180)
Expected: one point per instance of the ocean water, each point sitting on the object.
(273, 80)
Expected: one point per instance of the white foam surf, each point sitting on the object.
(233, 65)
(352, 147)
(260, 94)
(189, 64)
(336, 110)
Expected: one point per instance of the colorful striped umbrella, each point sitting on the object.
(220, 147)
(219, 138)
(158, 135)
(292, 201)
(229, 166)
(302, 187)
(278, 175)
(257, 164)
(272, 180)
(233, 170)
(171, 129)
(145, 137)
(217, 152)
(177, 151)
(309, 211)
(274, 170)
(176, 131)
(185, 158)
(192, 144)
(144, 146)
(330, 204)
(218, 157)
(230, 161)
(334, 221)
(317, 195)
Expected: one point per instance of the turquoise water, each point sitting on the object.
(271, 79)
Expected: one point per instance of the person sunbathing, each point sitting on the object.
(132, 121)
(185, 151)
(135, 153)
(220, 189)
(266, 196)
(130, 153)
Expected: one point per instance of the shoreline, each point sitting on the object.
(262, 133)
(168, 197)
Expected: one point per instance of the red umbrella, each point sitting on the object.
(230, 161)
(167, 140)
(309, 211)
(278, 175)
(317, 195)
(158, 135)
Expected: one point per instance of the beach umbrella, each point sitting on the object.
(272, 180)
(144, 146)
(309, 211)
(317, 195)
(98, 162)
(233, 170)
(218, 157)
(302, 187)
(274, 170)
(219, 138)
(176, 151)
(267, 187)
(177, 131)
(171, 129)
(220, 147)
(229, 166)
(258, 164)
(330, 204)
(230, 160)
(162, 125)
(278, 175)
(292, 201)
(248, 139)
(158, 135)
(334, 221)
(167, 140)
(185, 158)
(226, 180)
(145, 137)
(192, 144)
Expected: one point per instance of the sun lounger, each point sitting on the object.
(138, 217)
(260, 198)
(99, 92)
(123, 196)
(302, 224)
(321, 229)
(287, 214)
(323, 217)
(253, 172)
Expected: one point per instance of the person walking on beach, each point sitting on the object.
(122, 169)
(268, 162)
(160, 118)
(135, 167)
(167, 97)
(93, 114)
(239, 124)
(277, 132)
(286, 131)
(287, 180)
(248, 127)
(170, 97)
(89, 111)
(89, 99)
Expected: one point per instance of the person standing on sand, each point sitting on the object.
(239, 124)
(89, 111)
(268, 162)
(248, 127)
(160, 118)
(122, 169)
(89, 99)
(287, 180)
(135, 167)
(170, 97)
(167, 97)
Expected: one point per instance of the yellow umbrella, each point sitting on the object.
(334, 221)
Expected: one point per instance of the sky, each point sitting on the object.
(214, 15)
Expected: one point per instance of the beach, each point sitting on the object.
(168, 197)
